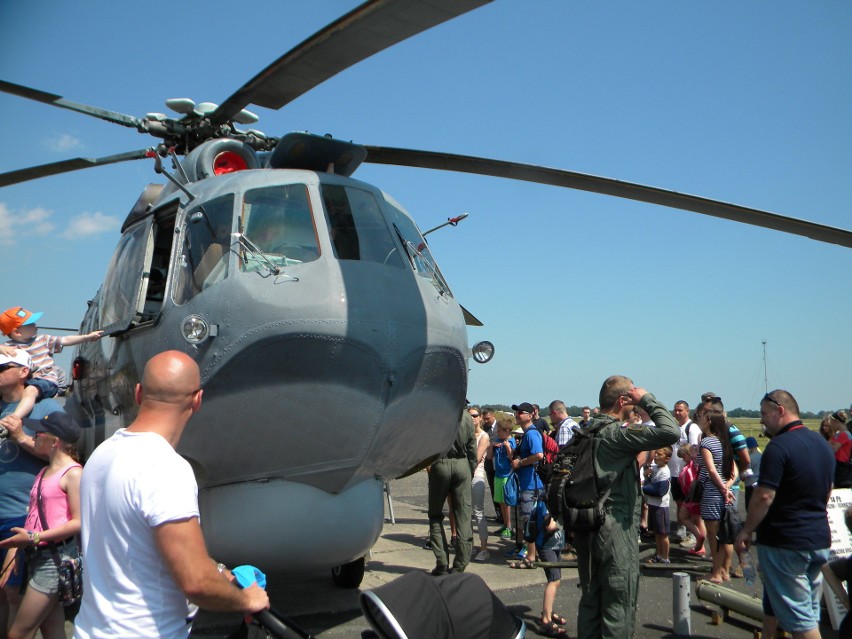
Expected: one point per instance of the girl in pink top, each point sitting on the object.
(59, 488)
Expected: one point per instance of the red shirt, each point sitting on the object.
(843, 453)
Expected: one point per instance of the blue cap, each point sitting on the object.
(751, 442)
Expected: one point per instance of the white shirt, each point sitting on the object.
(132, 483)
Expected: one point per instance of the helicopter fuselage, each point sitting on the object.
(333, 355)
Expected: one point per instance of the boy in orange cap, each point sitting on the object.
(19, 325)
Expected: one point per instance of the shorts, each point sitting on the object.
(45, 388)
(791, 585)
(41, 567)
(5, 532)
(550, 555)
(499, 485)
(658, 517)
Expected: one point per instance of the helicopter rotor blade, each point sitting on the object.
(361, 33)
(607, 186)
(59, 101)
(65, 166)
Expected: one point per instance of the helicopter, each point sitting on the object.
(374, 335)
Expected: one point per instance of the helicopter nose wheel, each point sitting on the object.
(349, 575)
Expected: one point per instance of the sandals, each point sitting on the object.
(552, 629)
(524, 564)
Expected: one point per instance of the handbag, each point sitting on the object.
(730, 526)
(696, 492)
(70, 569)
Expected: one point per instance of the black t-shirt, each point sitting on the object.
(799, 467)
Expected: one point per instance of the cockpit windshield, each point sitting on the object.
(278, 221)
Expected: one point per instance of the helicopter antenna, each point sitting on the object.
(453, 221)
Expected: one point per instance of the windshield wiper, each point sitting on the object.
(256, 253)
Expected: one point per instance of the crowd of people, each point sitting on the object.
(691, 463)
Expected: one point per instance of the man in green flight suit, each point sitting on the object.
(608, 560)
(452, 475)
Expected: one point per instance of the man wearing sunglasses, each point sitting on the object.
(788, 511)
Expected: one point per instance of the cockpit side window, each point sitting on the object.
(278, 221)
(359, 231)
(419, 253)
(206, 249)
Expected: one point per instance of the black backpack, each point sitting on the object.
(572, 486)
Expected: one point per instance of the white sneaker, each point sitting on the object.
(688, 541)
(482, 555)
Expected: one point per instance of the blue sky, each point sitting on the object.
(743, 102)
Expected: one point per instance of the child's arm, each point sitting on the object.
(73, 340)
(28, 400)
(8, 351)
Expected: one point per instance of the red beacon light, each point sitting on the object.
(229, 162)
(78, 369)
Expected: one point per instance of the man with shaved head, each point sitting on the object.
(147, 566)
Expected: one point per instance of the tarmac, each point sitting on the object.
(326, 611)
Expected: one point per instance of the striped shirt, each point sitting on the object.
(40, 349)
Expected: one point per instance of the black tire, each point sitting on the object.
(349, 575)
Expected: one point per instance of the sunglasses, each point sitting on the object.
(770, 398)
(474, 414)
(5, 367)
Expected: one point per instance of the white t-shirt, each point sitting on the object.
(132, 483)
(659, 473)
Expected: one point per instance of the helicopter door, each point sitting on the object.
(135, 283)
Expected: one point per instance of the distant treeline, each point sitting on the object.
(736, 412)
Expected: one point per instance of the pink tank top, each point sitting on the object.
(54, 499)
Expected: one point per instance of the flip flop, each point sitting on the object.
(521, 565)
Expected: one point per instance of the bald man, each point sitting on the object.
(146, 561)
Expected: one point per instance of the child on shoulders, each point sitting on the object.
(19, 325)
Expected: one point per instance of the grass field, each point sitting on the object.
(751, 427)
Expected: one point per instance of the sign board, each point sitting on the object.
(841, 546)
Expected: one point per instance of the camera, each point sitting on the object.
(4, 433)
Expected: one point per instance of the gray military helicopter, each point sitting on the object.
(295, 285)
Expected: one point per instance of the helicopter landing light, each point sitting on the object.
(482, 352)
(195, 329)
(229, 162)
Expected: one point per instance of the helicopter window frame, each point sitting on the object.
(358, 227)
(204, 257)
(279, 227)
